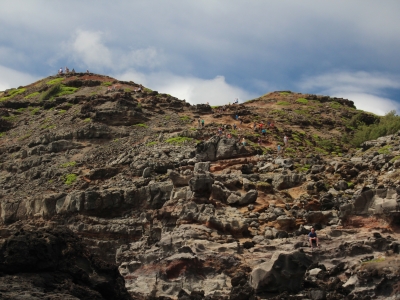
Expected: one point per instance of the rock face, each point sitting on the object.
(52, 263)
(284, 272)
(120, 192)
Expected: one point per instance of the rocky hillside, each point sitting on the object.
(110, 190)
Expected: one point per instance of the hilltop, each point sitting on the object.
(130, 179)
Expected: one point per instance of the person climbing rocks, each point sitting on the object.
(234, 126)
(198, 121)
(285, 140)
(313, 239)
(279, 149)
(244, 142)
(202, 123)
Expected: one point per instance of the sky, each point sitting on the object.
(212, 50)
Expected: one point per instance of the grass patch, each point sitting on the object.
(285, 93)
(25, 137)
(87, 120)
(283, 103)
(10, 118)
(68, 164)
(57, 90)
(185, 119)
(302, 100)
(55, 81)
(13, 93)
(32, 95)
(151, 144)
(385, 150)
(146, 90)
(141, 125)
(21, 109)
(106, 83)
(167, 118)
(70, 179)
(63, 111)
(321, 151)
(35, 111)
(178, 140)
(335, 105)
(127, 90)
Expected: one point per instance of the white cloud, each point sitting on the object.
(88, 47)
(216, 91)
(10, 78)
(365, 89)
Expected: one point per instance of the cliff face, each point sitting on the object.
(99, 175)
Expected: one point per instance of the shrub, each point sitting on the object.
(13, 93)
(335, 105)
(55, 81)
(32, 95)
(106, 83)
(185, 119)
(151, 144)
(141, 125)
(57, 90)
(285, 93)
(178, 140)
(35, 110)
(388, 124)
(70, 178)
(283, 103)
(88, 120)
(302, 100)
(68, 164)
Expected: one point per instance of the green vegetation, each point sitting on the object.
(185, 119)
(32, 95)
(302, 100)
(106, 83)
(57, 90)
(55, 81)
(25, 137)
(388, 124)
(34, 111)
(321, 151)
(350, 185)
(285, 93)
(47, 126)
(21, 109)
(70, 179)
(87, 120)
(385, 149)
(167, 117)
(335, 105)
(146, 90)
(63, 111)
(141, 125)
(68, 164)
(178, 140)
(13, 93)
(11, 118)
(151, 144)
(127, 90)
(283, 103)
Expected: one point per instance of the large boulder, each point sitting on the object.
(283, 272)
(282, 182)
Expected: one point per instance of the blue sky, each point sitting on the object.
(212, 51)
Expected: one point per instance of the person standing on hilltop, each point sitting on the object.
(285, 140)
